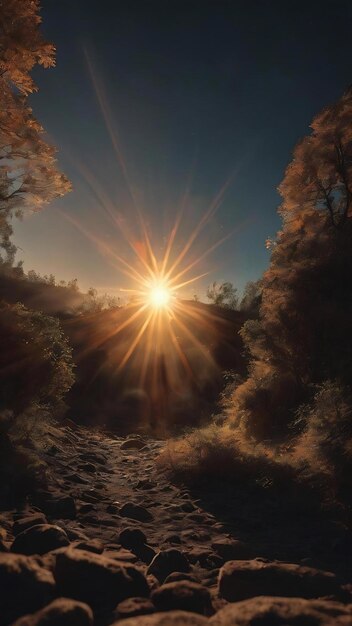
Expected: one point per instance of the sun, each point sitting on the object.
(159, 296)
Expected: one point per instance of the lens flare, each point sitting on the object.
(160, 296)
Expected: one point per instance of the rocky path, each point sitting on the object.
(117, 541)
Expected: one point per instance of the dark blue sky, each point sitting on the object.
(197, 90)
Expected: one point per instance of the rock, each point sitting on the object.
(56, 505)
(175, 576)
(87, 467)
(272, 611)
(121, 555)
(25, 586)
(76, 478)
(93, 457)
(231, 549)
(171, 618)
(145, 484)
(173, 539)
(137, 444)
(132, 538)
(188, 507)
(145, 553)
(135, 511)
(40, 539)
(91, 545)
(86, 508)
(166, 562)
(75, 534)
(96, 579)
(26, 522)
(183, 595)
(135, 606)
(205, 558)
(239, 580)
(3, 546)
(59, 612)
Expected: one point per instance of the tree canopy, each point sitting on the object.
(29, 177)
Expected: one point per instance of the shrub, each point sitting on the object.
(36, 368)
(326, 441)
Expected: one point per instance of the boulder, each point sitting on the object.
(26, 522)
(135, 443)
(171, 618)
(166, 562)
(239, 580)
(135, 606)
(263, 611)
(40, 539)
(59, 612)
(183, 595)
(25, 586)
(96, 579)
(135, 511)
(132, 538)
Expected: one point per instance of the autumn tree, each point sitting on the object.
(223, 295)
(302, 337)
(29, 177)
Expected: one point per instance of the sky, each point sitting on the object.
(160, 105)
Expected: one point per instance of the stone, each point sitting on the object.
(183, 595)
(25, 586)
(26, 522)
(145, 553)
(166, 562)
(135, 511)
(171, 618)
(270, 611)
(145, 484)
(132, 538)
(231, 549)
(59, 612)
(137, 444)
(204, 557)
(173, 539)
(239, 580)
(40, 539)
(56, 505)
(87, 467)
(175, 576)
(96, 579)
(91, 545)
(135, 606)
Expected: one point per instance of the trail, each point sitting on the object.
(231, 543)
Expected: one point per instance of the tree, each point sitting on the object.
(320, 175)
(251, 298)
(302, 337)
(223, 294)
(29, 178)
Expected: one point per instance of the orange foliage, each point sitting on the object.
(28, 174)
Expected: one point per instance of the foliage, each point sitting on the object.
(295, 407)
(326, 440)
(28, 174)
(96, 303)
(303, 334)
(251, 299)
(223, 294)
(36, 368)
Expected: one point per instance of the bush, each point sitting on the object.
(326, 441)
(36, 368)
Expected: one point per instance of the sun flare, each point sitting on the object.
(160, 296)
